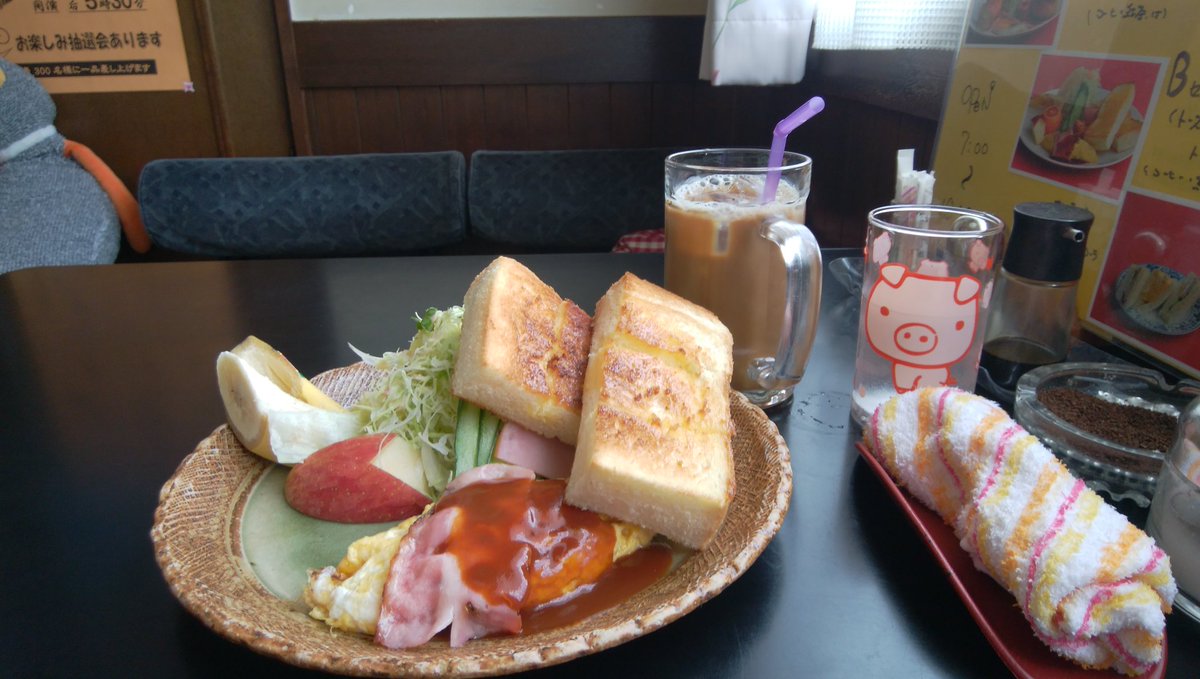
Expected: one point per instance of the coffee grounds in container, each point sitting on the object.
(1126, 425)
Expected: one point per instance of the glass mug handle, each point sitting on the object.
(802, 257)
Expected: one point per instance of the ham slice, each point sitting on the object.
(488, 472)
(475, 617)
(425, 591)
(417, 599)
(547, 457)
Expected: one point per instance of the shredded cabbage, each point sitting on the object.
(413, 401)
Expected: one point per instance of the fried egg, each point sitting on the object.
(348, 597)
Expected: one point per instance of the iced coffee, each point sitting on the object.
(718, 257)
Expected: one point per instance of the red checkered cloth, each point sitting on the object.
(650, 240)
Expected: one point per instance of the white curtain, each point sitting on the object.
(889, 24)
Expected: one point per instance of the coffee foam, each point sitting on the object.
(729, 195)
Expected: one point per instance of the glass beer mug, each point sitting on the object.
(751, 262)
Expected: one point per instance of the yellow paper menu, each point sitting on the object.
(1096, 105)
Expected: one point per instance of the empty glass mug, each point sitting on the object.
(1175, 510)
(751, 262)
(928, 273)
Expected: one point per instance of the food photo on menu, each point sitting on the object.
(1084, 122)
(1023, 22)
(1149, 290)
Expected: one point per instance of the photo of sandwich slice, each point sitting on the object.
(1159, 299)
(1129, 285)
(1143, 288)
(1102, 131)
(1127, 135)
(1181, 303)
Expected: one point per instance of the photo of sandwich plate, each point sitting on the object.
(1012, 18)
(1159, 299)
(1082, 125)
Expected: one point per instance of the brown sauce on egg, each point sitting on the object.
(627, 577)
(518, 543)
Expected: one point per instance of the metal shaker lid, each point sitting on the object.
(1047, 241)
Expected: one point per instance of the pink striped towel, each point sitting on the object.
(1094, 587)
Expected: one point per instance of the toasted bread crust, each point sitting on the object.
(654, 443)
(524, 351)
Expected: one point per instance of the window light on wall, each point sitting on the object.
(764, 42)
(889, 24)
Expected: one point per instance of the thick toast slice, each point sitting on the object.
(655, 436)
(524, 351)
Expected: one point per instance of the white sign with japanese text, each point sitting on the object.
(96, 45)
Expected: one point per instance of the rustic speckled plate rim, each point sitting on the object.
(197, 523)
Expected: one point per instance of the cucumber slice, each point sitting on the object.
(489, 429)
(466, 437)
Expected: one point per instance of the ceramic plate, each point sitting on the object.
(214, 527)
(993, 608)
(1104, 158)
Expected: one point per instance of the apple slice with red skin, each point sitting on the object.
(367, 479)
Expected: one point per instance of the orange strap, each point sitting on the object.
(126, 205)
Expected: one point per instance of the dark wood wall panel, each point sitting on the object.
(379, 124)
(549, 127)
(334, 117)
(632, 106)
(598, 83)
(466, 117)
(506, 114)
(497, 51)
(589, 117)
(422, 121)
(673, 108)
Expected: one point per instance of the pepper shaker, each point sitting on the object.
(1034, 308)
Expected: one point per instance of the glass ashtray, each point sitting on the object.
(1084, 412)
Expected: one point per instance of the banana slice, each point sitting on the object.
(273, 423)
(267, 360)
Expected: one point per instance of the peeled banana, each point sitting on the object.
(267, 360)
(272, 411)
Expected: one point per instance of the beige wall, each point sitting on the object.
(344, 10)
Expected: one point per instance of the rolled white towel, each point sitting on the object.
(1094, 587)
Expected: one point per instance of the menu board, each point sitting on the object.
(96, 45)
(1096, 104)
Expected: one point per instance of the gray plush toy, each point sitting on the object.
(53, 211)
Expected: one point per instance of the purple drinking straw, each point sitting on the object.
(797, 118)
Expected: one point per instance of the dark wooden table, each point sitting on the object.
(107, 380)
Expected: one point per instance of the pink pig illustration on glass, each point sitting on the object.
(921, 323)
